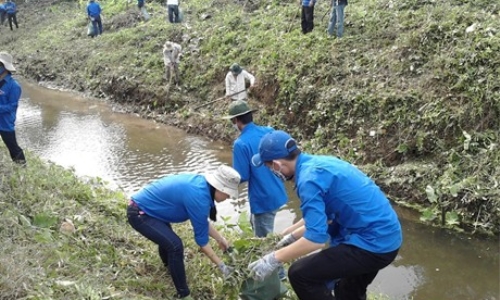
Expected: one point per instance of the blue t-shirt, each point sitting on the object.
(10, 93)
(266, 192)
(331, 189)
(93, 9)
(178, 198)
(10, 7)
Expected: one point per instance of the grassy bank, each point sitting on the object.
(411, 93)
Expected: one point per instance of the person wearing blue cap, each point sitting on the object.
(340, 205)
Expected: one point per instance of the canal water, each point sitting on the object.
(128, 152)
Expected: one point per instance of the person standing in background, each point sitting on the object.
(11, 11)
(307, 18)
(10, 93)
(173, 11)
(337, 17)
(94, 14)
(3, 13)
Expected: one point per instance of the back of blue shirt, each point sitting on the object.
(10, 7)
(333, 190)
(93, 9)
(266, 192)
(10, 93)
(178, 198)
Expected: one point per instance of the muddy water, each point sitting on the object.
(128, 152)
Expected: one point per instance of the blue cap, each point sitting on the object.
(274, 145)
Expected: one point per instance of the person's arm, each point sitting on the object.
(241, 160)
(12, 99)
(210, 253)
(293, 227)
(228, 84)
(250, 77)
(212, 232)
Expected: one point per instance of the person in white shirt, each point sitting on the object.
(171, 58)
(173, 11)
(236, 83)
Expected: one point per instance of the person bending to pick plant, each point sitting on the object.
(339, 204)
(179, 198)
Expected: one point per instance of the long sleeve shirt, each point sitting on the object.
(10, 93)
(235, 85)
(333, 190)
(10, 8)
(178, 198)
(266, 192)
(93, 9)
(172, 55)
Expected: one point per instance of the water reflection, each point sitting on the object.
(128, 152)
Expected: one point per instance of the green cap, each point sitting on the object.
(235, 68)
(238, 108)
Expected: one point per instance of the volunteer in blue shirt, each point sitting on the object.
(11, 11)
(94, 14)
(266, 193)
(3, 13)
(179, 198)
(307, 17)
(340, 205)
(10, 93)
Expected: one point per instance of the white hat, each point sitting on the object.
(225, 179)
(6, 60)
(168, 45)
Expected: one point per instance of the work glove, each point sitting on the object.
(225, 269)
(285, 241)
(263, 267)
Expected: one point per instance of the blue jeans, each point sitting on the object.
(262, 225)
(173, 13)
(337, 17)
(169, 244)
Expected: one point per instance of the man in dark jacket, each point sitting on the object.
(10, 93)
(337, 17)
(94, 14)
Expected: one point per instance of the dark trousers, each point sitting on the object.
(12, 18)
(16, 153)
(3, 16)
(307, 19)
(354, 268)
(97, 24)
(173, 13)
(170, 246)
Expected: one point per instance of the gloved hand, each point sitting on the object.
(263, 267)
(285, 241)
(225, 269)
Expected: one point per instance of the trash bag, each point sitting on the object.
(145, 14)
(269, 289)
(90, 29)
